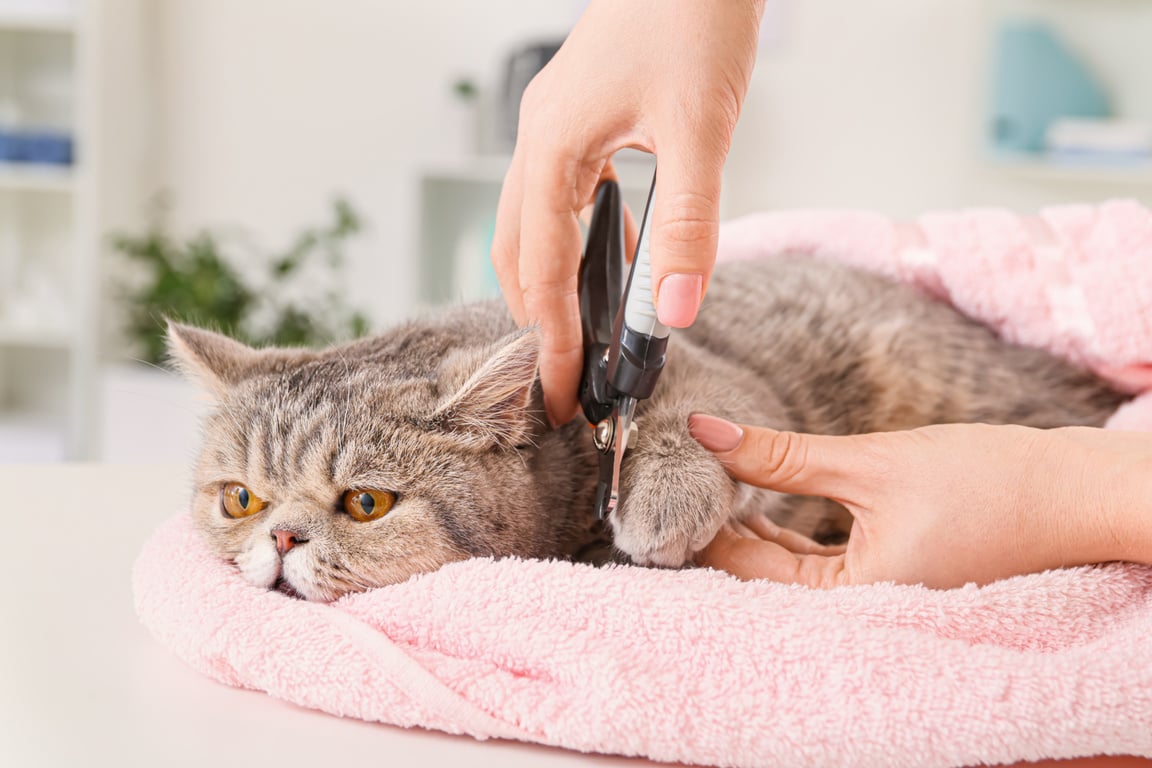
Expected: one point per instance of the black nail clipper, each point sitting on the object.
(624, 343)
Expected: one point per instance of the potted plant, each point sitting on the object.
(287, 298)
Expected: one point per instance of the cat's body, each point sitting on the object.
(446, 414)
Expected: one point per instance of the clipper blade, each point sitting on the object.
(626, 409)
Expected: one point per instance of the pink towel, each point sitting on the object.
(697, 667)
(1075, 280)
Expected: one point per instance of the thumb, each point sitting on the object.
(685, 231)
(788, 462)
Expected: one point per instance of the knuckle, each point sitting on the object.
(550, 291)
(532, 101)
(689, 219)
(782, 458)
(553, 307)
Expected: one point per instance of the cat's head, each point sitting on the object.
(328, 472)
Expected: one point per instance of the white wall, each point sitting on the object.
(880, 104)
(865, 104)
(267, 108)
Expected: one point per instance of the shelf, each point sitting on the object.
(1039, 169)
(458, 201)
(64, 71)
(478, 170)
(38, 338)
(49, 178)
(56, 21)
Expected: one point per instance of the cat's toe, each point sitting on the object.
(644, 547)
(669, 512)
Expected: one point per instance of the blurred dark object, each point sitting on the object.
(196, 281)
(523, 64)
(465, 89)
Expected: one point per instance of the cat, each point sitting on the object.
(325, 472)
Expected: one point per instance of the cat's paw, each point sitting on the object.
(675, 497)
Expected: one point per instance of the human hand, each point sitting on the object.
(667, 76)
(942, 505)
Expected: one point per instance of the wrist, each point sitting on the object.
(1100, 500)
(1132, 522)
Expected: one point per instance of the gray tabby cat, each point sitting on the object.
(334, 471)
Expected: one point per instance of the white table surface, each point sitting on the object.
(82, 683)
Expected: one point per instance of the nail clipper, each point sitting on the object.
(624, 343)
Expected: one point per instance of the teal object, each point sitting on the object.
(1036, 80)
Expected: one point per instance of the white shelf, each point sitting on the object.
(479, 170)
(41, 338)
(37, 21)
(55, 214)
(19, 176)
(458, 203)
(1040, 169)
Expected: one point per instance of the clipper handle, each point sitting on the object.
(643, 338)
(640, 309)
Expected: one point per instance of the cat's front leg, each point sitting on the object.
(675, 495)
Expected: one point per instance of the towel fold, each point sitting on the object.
(697, 667)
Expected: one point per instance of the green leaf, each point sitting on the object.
(195, 280)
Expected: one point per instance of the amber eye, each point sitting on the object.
(238, 501)
(368, 505)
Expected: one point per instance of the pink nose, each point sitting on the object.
(285, 539)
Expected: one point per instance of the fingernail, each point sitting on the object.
(678, 299)
(715, 434)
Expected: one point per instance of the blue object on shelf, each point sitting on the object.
(48, 148)
(1036, 80)
(10, 147)
(36, 147)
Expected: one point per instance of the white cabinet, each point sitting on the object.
(49, 238)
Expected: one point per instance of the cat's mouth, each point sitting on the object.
(284, 587)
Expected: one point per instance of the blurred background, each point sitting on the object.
(299, 171)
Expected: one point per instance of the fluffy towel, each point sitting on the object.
(697, 667)
(1076, 280)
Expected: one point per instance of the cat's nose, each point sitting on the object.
(286, 539)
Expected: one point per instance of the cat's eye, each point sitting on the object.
(366, 505)
(238, 501)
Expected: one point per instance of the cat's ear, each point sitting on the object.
(221, 363)
(493, 407)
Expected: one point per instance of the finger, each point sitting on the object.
(554, 193)
(506, 240)
(843, 469)
(793, 541)
(750, 559)
(742, 530)
(685, 228)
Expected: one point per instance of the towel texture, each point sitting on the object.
(1075, 280)
(697, 667)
